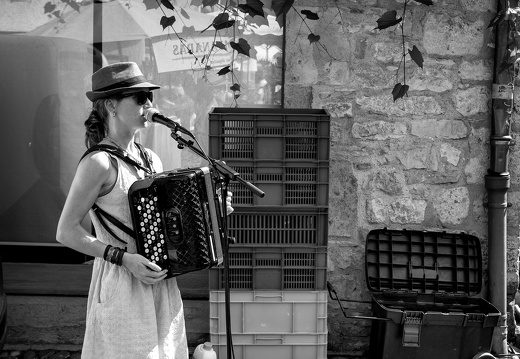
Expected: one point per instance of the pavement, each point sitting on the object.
(39, 354)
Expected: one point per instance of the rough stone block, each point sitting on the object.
(408, 106)
(397, 210)
(479, 70)
(473, 100)
(452, 36)
(452, 205)
(447, 129)
(378, 130)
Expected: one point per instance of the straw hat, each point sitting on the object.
(116, 78)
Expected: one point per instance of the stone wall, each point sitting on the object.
(416, 163)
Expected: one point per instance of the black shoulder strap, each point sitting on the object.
(125, 156)
(128, 159)
(146, 157)
(101, 213)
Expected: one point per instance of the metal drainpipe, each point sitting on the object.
(497, 181)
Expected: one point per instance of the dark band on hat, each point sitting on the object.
(126, 83)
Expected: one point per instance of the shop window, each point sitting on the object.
(45, 71)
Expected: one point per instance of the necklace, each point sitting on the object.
(114, 142)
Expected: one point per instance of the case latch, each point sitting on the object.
(412, 322)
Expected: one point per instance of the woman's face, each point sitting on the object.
(130, 109)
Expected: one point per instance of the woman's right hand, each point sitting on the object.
(144, 270)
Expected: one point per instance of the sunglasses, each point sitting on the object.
(140, 97)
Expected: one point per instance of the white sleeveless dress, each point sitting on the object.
(125, 317)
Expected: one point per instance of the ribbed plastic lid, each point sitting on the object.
(423, 262)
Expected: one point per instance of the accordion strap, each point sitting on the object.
(101, 213)
(146, 157)
(125, 156)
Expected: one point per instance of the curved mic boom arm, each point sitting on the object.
(219, 165)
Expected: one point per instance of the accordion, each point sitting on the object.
(177, 221)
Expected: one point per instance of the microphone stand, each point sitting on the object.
(220, 166)
(227, 174)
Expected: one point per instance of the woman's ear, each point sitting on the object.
(110, 105)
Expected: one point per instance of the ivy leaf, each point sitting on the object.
(497, 19)
(220, 45)
(416, 56)
(224, 71)
(235, 87)
(425, 2)
(253, 8)
(209, 2)
(189, 31)
(73, 4)
(388, 19)
(310, 15)
(167, 4)
(506, 65)
(48, 8)
(151, 4)
(184, 14)
(222, 21)
(313, 38)
(242, 46)
(167, 21)
(281, 6)
(399, 91)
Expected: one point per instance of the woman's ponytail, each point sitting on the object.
(96, 123)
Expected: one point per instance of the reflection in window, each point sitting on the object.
(44, 79)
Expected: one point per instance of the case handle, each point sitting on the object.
(331, 290)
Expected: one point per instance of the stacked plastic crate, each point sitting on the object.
(278, 265)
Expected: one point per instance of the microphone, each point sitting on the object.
(153, 115)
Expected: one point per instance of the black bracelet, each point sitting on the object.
(112, 256)
(119, 259)
(107, 248)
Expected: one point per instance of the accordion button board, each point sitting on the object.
(177, 222)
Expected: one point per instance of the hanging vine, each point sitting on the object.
(390, 19)
(233, 15)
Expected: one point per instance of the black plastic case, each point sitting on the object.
(424, 284)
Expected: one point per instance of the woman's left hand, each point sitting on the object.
(229, 208)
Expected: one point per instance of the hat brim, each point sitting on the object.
(96, 95)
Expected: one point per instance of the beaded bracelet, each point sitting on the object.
(114, 255)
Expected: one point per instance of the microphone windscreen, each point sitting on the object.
(149, 112)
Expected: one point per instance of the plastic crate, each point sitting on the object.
(421, 283)
(279, 226)
(276, 324)
(273, 268)
(269, 134)
(285, 183)
(279, 346)
(269, 312)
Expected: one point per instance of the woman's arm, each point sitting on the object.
(92, 173)
(95, 172)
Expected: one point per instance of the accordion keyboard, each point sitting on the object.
(150, 222)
